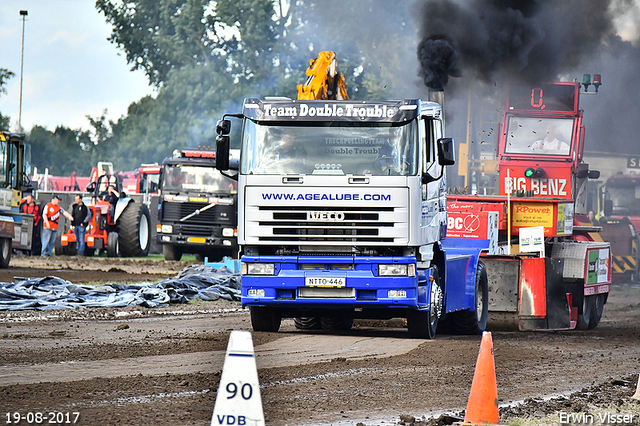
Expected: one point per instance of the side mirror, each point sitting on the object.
(223, 127)
(446, 154)
(608, 208)
(594, 174)
(222, 152)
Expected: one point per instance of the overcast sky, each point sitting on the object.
(70, 69)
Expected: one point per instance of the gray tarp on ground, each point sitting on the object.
(199, 281)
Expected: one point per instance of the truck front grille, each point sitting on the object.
(174, 211)
(341, 225)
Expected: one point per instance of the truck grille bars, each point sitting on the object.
(320, 225)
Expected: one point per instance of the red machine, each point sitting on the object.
(548, 266)
(120, 228)
(619, 202)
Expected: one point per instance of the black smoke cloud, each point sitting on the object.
(501, 42)
(531, 41)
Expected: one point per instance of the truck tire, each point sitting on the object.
(134, 230)
(467, 322)
(336, 323)
(598, 309)
(112, 244)
(171, 252)
(265, 319)
(592, 308)
(5, 252)
(307, 323)
(423, 324)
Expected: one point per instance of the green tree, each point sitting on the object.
(62, 151)
(204, 57)
(5, 74)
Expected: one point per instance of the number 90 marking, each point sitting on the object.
(246, 391)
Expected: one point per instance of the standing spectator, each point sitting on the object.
(81, 216)
(50, 217)
(30, 207)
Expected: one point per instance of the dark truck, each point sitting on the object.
(197, 207)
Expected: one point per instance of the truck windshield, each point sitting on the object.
(184, 178)
(336, 148)
(539, 136)
(625, 199)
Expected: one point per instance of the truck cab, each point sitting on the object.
(342, 212)
(197, 207)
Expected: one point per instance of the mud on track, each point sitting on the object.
(139, 366)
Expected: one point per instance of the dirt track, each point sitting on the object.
(141, 366)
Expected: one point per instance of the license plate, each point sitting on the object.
(325, 281)
(197, 240)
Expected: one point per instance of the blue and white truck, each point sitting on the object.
(342, 215)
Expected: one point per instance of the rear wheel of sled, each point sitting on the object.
(467, 322)
(171, 252)
(265, 319)
(592, 308)
(5, 252)
(134, 230)
(112, 244)
(307, 323)
(423, 324)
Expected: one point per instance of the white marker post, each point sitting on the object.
(238, 402)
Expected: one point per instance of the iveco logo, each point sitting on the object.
(325, 216)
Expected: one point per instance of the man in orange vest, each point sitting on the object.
(30, 207)
(50, 217)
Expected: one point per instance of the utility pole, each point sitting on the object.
(24, 14)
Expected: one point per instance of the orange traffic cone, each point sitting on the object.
(637, 394)
(482, 407)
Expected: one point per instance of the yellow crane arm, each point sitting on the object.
(324, 80)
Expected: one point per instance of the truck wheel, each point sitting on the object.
(265, 319)
(5, 252)
(588, 311)
(340, 324)
(600, 300)
(423, 324)
(134, 230)
(112, 244)
(171, 252)
(467, 322)
(307, 323)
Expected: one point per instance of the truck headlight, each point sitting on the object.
(255, 292)
(259, 268)
(167, 229)
(397, 269)
(227, 232)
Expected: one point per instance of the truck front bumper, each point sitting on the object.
(334, 282)
(179, 239)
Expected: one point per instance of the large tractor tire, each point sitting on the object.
(5, 252)
(134, 230)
